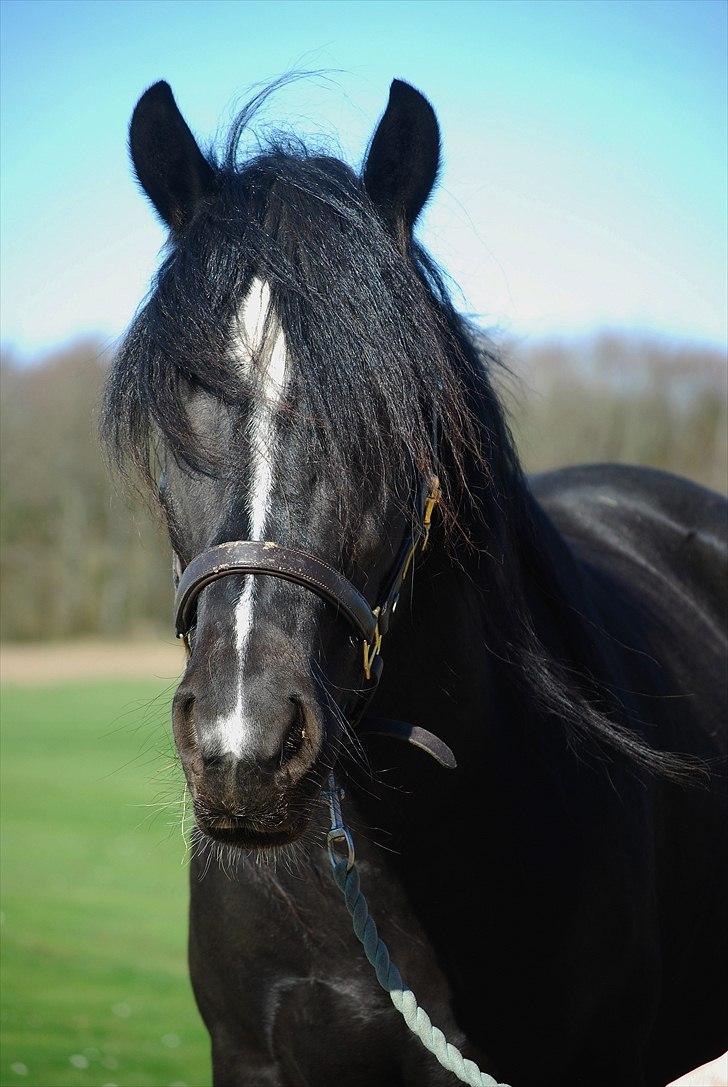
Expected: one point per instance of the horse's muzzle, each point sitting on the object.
(262, 795)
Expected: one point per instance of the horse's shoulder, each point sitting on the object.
(663, 537)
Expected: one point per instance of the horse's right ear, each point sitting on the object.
(170, 167)
(403, 159)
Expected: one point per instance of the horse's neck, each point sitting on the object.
(524, 803)
(451, 660)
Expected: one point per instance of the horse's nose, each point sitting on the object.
(266, 739)
(268, 744)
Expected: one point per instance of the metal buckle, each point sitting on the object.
(370, 650)
(339, 834)
(431, 501)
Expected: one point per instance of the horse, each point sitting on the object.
(296, 388)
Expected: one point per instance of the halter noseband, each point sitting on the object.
(264, 557)
(302, 568)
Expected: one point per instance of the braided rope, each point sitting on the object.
(388, 976)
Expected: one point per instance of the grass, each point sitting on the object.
(94, 897)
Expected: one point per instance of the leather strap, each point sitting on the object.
(412, 734)
(264, 557)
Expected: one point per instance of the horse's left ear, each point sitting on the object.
(170, 167)
(403, 158)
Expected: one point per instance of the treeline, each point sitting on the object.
(620, 398)
(81, 557)
(78, 558)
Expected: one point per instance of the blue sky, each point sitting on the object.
(585, 147)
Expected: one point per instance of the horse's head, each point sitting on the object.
(287, 373)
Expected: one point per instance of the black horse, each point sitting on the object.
(557, 902)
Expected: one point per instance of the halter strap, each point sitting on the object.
(410, 734)
(264, 557)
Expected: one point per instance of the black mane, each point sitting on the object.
(379, 353)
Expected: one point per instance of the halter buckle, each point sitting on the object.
(431, 501)
(370, 650)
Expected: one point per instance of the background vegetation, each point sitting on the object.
(80, 558)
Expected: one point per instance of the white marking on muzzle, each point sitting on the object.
(259, 342)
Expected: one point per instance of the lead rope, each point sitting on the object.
(346, 877)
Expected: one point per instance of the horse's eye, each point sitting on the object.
(190, 637)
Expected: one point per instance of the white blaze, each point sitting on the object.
(259, 342)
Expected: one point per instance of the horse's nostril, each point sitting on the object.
(213, 762)
(296, 734)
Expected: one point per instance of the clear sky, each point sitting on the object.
(585, 146)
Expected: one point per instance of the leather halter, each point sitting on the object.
(302, 568)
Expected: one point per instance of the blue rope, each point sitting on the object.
(389, 977)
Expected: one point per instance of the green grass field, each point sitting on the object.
(94, 975)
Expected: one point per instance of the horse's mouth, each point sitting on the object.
(259, 822)
(249, 834)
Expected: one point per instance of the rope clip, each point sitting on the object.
(339, 837)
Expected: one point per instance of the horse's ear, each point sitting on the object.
(403, 158)
(170, 167)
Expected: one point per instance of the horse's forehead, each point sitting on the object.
(259, 349)
(257, 337)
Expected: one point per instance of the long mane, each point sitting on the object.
(389, 383)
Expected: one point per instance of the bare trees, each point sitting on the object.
(80, 558)
(77, 558)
